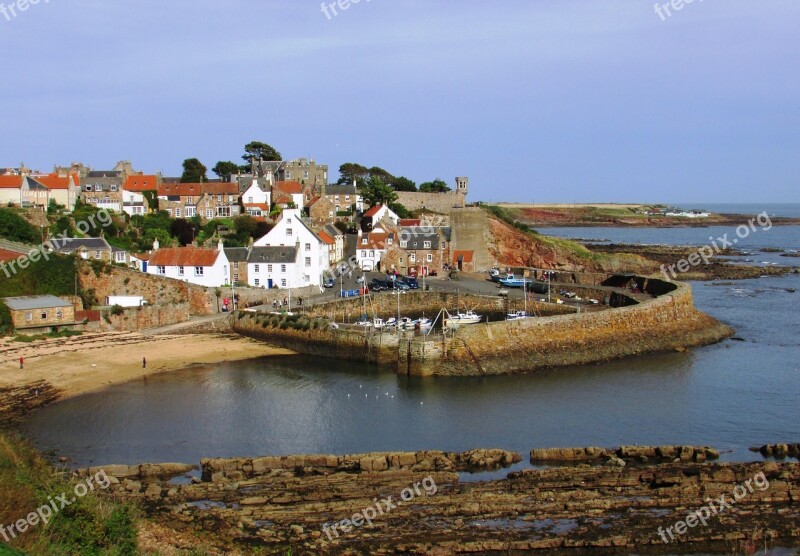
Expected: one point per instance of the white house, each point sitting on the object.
(274, 267)
(196, 265)
(133, 202)
(371, 248)
(256, 201)
(312, 256)
(379, 212)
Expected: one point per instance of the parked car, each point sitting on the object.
(329, 282)
(412, 283)
(378, 285)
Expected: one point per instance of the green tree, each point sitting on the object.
(16, 228)
(225, 169)
(183, 230)
(400, 210)
(403, 184)
(350, 171)
(193, 171)
(259, 150)
(380, 173)
(435, 186)
(375, 192)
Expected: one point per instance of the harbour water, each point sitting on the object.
(740, 393)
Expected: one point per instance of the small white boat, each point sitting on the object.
(518, 315)
(390, 322)
(423, 323)
(378, 324)
(470, 317)
(405, 323)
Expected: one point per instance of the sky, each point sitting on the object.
(533, 100)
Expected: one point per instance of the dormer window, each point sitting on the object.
(364, 241)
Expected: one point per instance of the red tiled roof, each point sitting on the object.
(409, 222)
(184, 256)
(376, 240)
(54, 181)
(373, 211)
(314, 200)
(10, 182)
(326, 238)
(466, 254)
(283, 199)
(6, 255)
(197, 189)
(262, 206)
(140, 183)
(290, 187)
(141, 256)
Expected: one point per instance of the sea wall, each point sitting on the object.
(436, 202)
(322, 341)
(665, 323)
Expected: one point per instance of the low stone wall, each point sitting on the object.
(664, 323)
(350, 345)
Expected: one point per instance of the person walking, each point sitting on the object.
(144, 362)
(21, 363)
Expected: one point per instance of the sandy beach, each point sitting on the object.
(91, 362)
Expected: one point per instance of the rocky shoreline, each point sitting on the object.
(596, 505)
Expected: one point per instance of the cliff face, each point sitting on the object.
(512, 247)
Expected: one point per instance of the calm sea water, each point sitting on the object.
(732, 395)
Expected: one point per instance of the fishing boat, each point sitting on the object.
(405, 323)
(470, 317)
(378, 324)
(518, 315)
(495, 275)
(391, 322)
(423, 323)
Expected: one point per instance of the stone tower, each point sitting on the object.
(462, 188)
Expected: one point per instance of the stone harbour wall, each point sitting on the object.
(665, 323)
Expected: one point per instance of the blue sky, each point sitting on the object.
(534, 100)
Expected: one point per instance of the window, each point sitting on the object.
(430, 258)
(288, 176)
(88, 187)
(372, 253)
(257, 282)
(177, 213)
(288, 232)
(308, 261)
(337, 208)
(364, 254)
(219, 198)
(257, 268)
(97, 254)
(288, 220)
(59, 314)
(403, 243)
(28, 316)
(235, 277)
(250, 200)
(169, 211)
(236, 265)
(162, 270)
(283, 268)
(44, 315)
(189, 212)
(308, 247)
(389, 241)
(426, 245)
(412, 258)
(364, 241)
(113, 187)
(283, 283)
(209, 213)
(198, 271)
(305, 174)
(347, 197)
(120, 257)
(269, 268)
(223, 212)
(180, 271)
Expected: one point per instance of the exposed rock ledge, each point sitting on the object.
(657, 454)
(579, 510)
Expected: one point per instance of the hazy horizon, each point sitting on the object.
(536, 101)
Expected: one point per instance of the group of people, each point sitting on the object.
(276, 304)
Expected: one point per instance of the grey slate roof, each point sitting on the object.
(417, 236)
(273, 255)
(34, 185)
(104, 174)
(337, 189)
(72, 244)
(35, 302)
(236, 254)
(332, 230)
